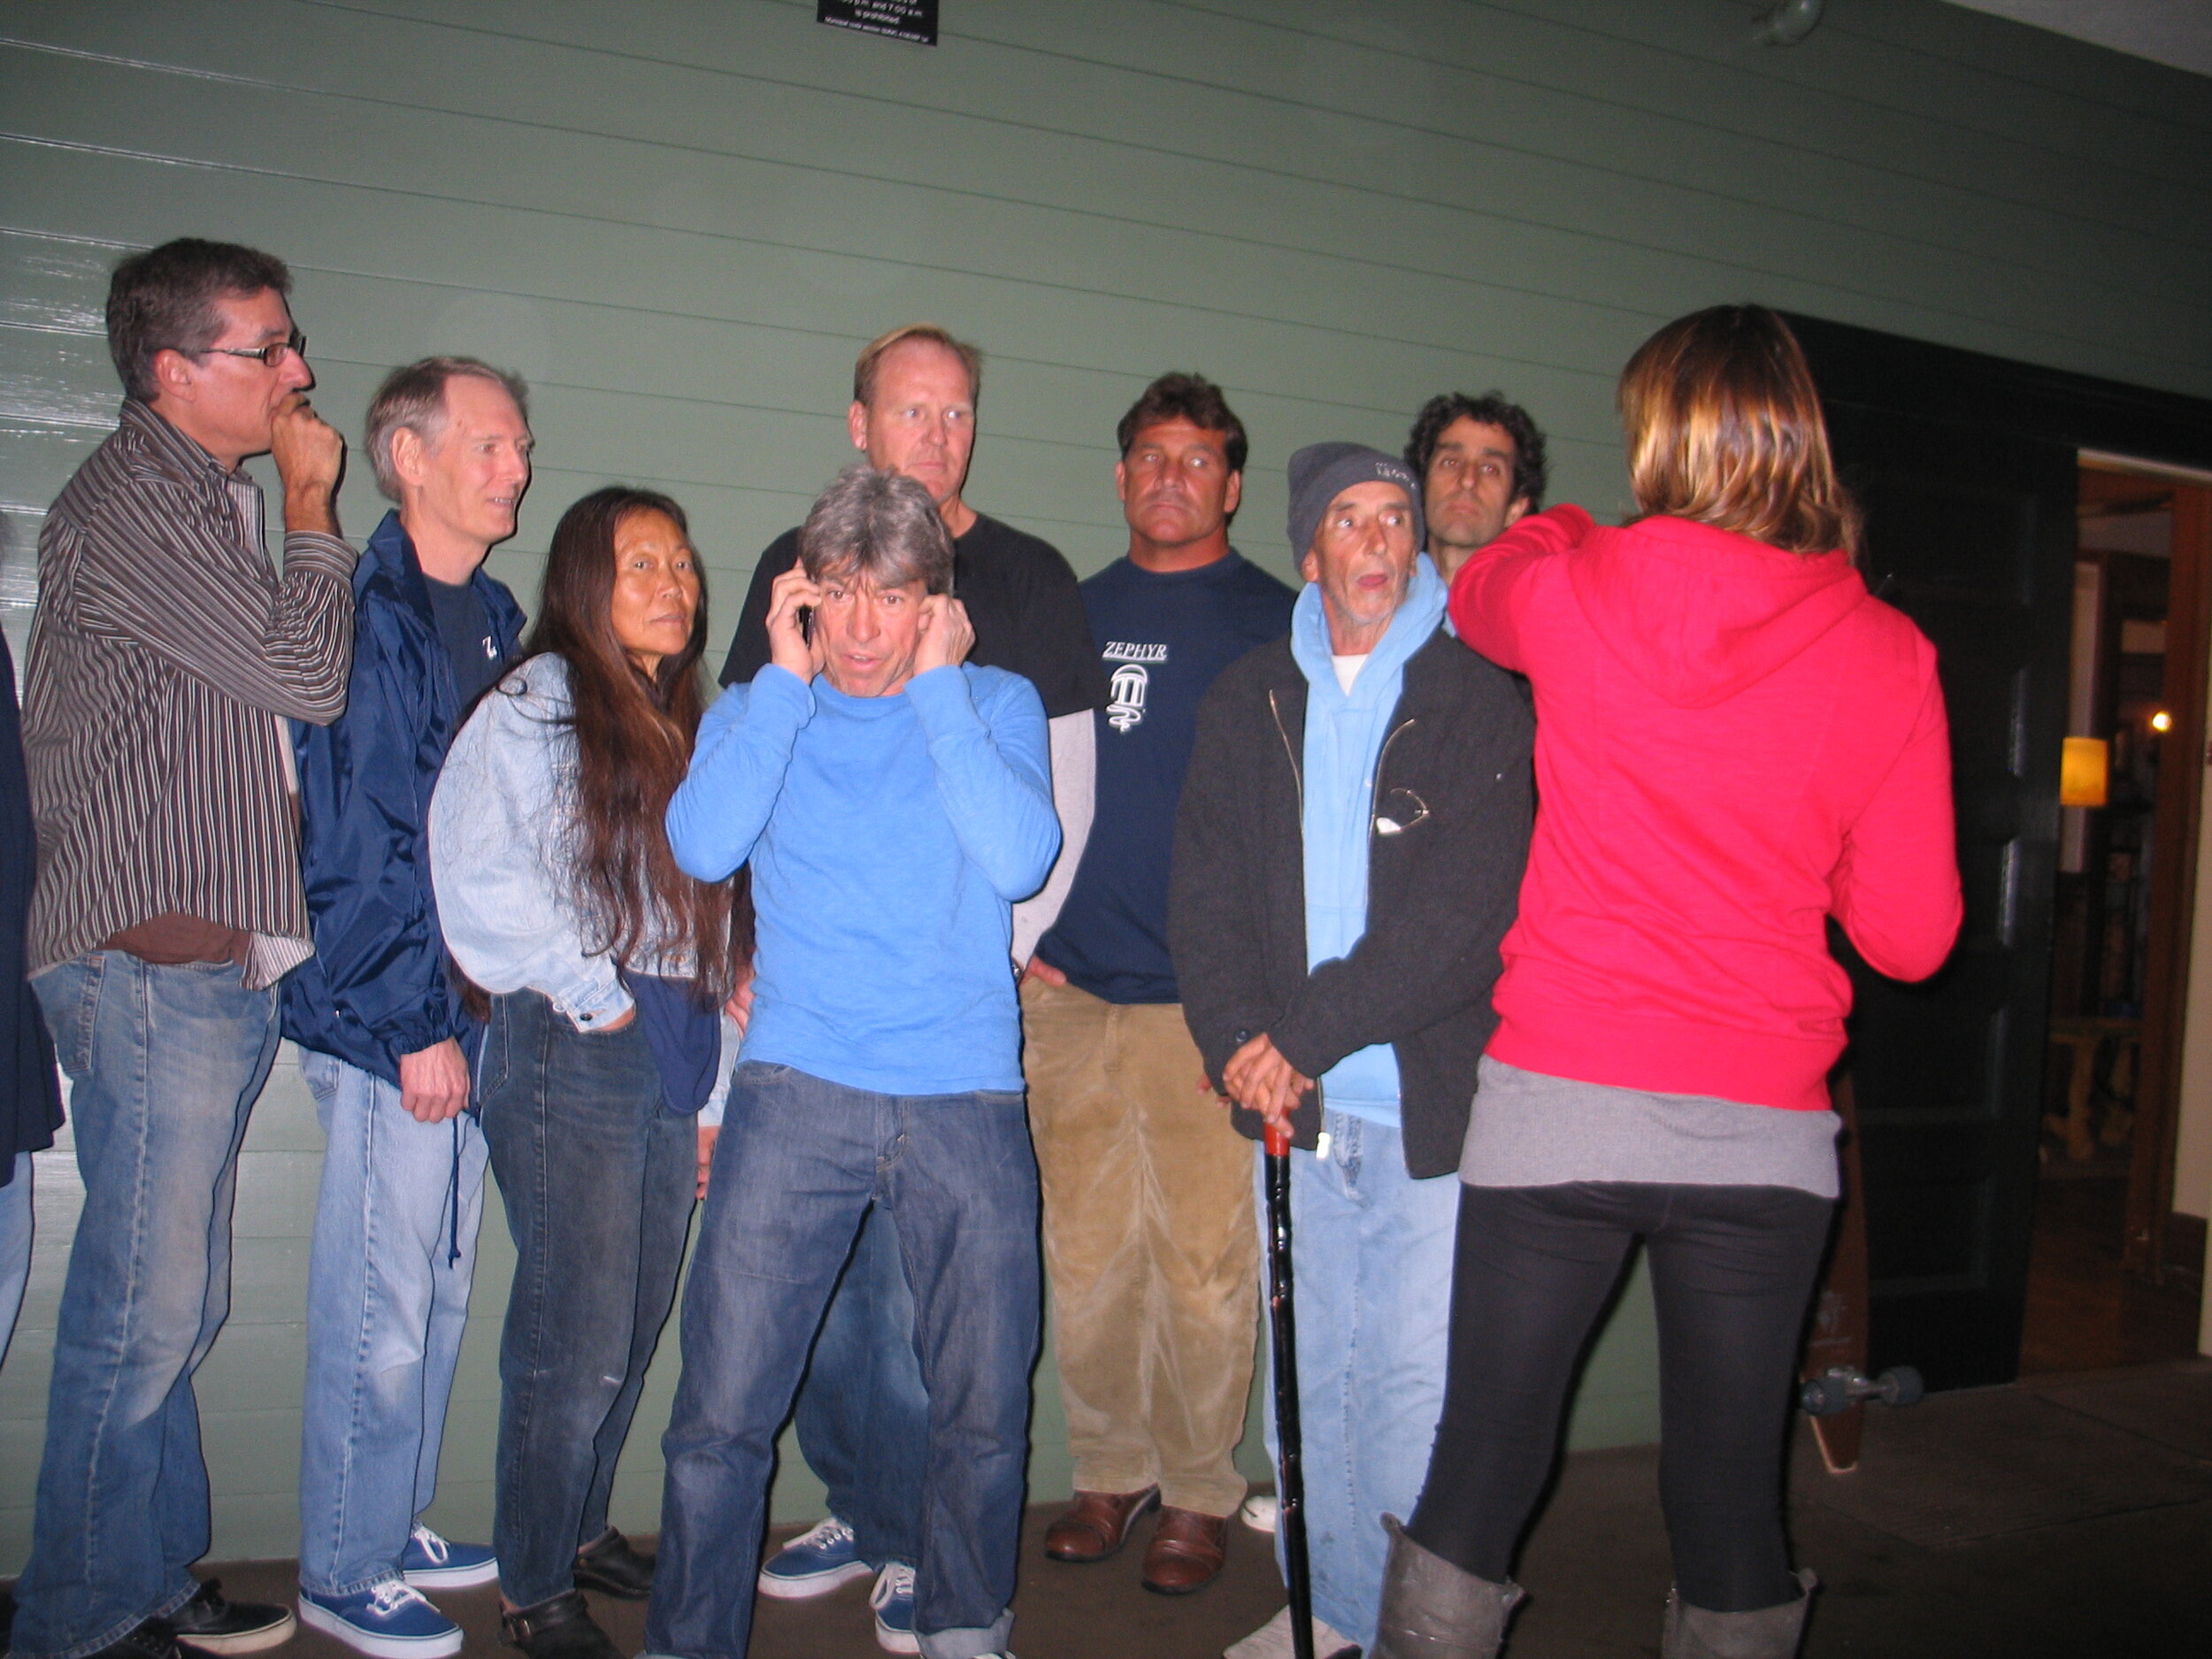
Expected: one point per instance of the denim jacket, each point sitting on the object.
(502, 855)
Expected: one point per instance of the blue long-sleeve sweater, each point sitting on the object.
(889, 838)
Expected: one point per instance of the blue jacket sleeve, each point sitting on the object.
(738, 764)
(988, 741)
(365, 804)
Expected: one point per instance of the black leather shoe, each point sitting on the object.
(560, 1628)
(608, 1565)
(210, 1622)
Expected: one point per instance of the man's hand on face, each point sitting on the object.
(788, 647)
(947, 634)
(434, 1082)
(310, 456)
(708, 1134)
(1259, 1079)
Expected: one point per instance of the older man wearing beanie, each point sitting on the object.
(1348, 854)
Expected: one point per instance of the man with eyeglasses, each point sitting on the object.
(1348, 849)
(165, 656)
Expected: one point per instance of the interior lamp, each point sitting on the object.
(2081, 772)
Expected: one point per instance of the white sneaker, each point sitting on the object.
(1261, 1511)
(1272, 1640)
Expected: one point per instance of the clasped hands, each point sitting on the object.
(1259, 1079)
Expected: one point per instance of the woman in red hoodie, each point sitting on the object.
(1734, 742)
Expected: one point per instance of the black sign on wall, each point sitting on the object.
(900, 19)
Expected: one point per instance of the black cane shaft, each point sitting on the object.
(1290, 1483)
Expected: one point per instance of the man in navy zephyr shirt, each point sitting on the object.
(1148, 1232)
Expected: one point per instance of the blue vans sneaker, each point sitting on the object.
(388, 1621)
(814, 1563)
(430, 1563)
(892, 1599)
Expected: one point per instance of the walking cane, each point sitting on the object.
(1290, 1481)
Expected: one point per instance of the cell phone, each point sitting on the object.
(806, 622)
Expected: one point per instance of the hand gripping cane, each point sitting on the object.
(1290, 1481)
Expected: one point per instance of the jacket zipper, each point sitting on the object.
(1283, 731)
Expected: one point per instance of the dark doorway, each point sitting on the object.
(1966, 466)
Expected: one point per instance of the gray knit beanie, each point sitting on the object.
(1321, 471)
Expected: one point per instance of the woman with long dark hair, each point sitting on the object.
(606, 965)
(1734, 742)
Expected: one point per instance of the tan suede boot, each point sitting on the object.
(1764, 1633)
(1431, 1609)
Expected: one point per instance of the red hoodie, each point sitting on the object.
(1732, 743)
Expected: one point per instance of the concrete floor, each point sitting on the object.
(2070, 1515)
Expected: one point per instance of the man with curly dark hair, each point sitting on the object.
(1481, 464)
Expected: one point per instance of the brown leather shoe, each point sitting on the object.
(1098, 1523)
(1186, 1551)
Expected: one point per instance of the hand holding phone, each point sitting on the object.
(791, 642)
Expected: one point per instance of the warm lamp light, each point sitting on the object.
(2081, 774)
(2161, 721)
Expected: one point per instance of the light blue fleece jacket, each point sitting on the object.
(890, 838)
(1345, 733)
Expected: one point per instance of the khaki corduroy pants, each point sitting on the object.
(1150, 1246)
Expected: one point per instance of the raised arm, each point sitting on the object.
(499, 861)
(162, 570)
(993, 773)
(749, 652)
(738, 766)
(1485, 601)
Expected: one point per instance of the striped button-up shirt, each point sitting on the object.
(165, 656)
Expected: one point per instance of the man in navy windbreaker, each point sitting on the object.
(386, 1043)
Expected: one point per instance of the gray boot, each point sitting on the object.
(1431, 1609)
(1764, 1633)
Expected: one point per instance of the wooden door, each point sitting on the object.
(1970, 531)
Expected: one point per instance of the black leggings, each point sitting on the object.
(1732, 1272)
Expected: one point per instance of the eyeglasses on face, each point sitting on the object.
(270, 355)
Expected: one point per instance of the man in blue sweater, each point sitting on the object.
(893, 803)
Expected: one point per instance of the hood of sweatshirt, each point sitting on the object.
(1699, 614)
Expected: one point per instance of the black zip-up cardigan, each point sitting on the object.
(1453, 805)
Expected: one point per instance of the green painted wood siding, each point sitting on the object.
(680, 217)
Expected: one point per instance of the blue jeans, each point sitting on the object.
(597, 1178)
(1371, 1260)
(799, 1161)
(387, 1302)
(863, 1415)
(15, 1247)
(165, 1064)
